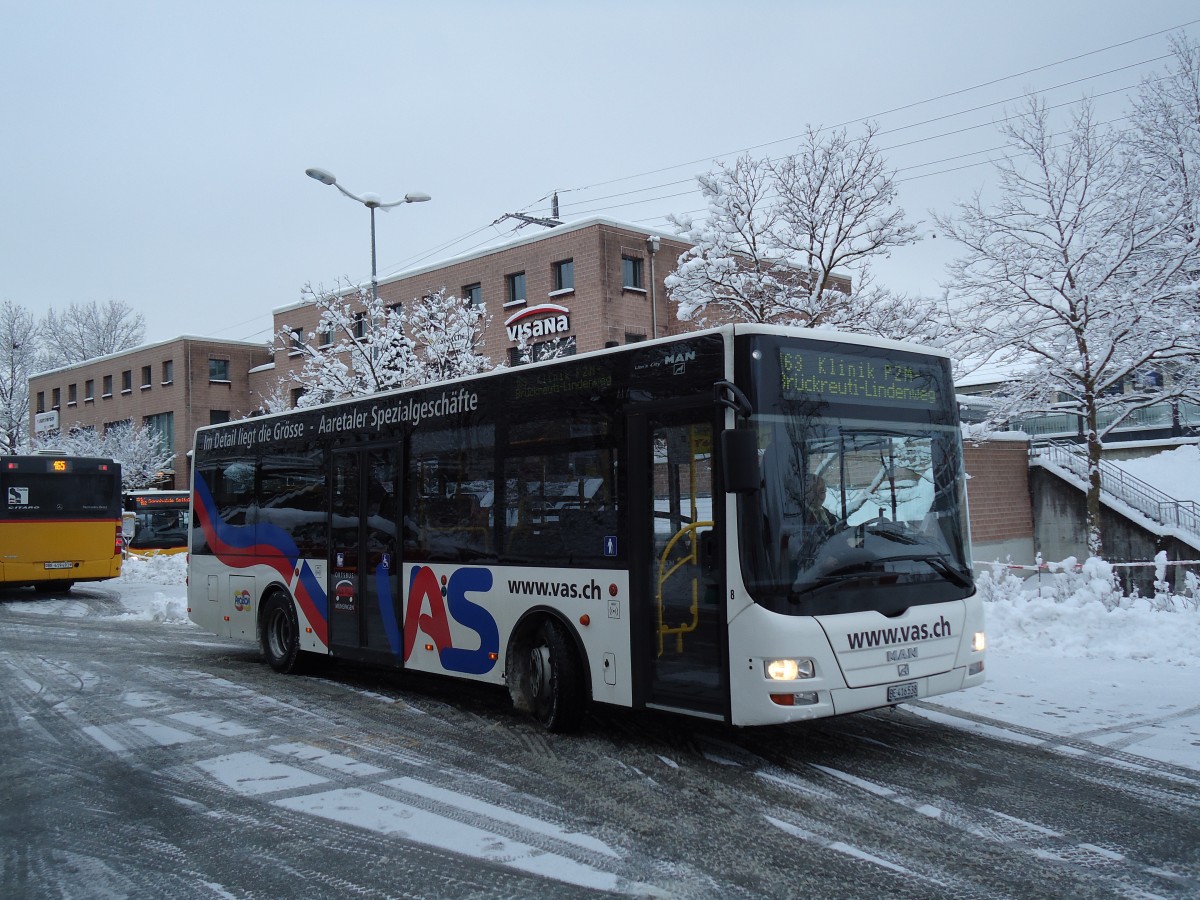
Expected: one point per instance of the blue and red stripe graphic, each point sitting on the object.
(262, 544)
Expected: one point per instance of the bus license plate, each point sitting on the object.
(902, 692)
(59, 565)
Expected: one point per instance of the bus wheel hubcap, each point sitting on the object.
(539, 670)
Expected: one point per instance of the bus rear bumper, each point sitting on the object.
(14, 574)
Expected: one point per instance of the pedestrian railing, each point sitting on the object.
(1119, 484)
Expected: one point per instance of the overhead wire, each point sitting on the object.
(591, 210)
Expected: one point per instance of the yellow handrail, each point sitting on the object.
(693, 557)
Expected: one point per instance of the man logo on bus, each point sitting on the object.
(431, 605)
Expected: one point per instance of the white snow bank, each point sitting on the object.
(1084, 615)
(1174, 472)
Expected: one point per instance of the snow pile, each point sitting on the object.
(139, 577)
(1078, 611)
(1174, 472)
(161, 608)
(161, 569)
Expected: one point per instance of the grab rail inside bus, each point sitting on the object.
(692, 558)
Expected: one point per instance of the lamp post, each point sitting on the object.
(371, 202)
(653, 242)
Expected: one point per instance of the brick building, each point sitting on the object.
(999, 499)
(172, 387)
(592, 284)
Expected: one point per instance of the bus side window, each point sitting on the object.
(448, 497)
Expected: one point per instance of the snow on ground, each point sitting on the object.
(1174, 472)
(1067, 656)
(1071, 657)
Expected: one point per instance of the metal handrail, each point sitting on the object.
(1145, 498)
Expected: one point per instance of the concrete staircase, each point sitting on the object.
(1180, 516)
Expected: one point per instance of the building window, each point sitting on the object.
(325, 338)
(515, 292)
(474, 293)
(168, 368)
(146, 376)
(631, 273)
(218, 370)
(564, 275)
(72, 398)
(41, 401)
(107, 386)
(631, 338)
(297, 345)
(89, 390)
(297, 393)
(120, 423)
(127, 381)
(56, 398)
(217, 416)
(162, 426)
(360, 325)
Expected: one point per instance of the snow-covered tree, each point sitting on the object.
(1165, 129)
(1082, 274)
(359, 347)
(448, 335)
(782, 235)
(275, 400)
(141, 451)
(18, 360)
(554, 348)
(88, 330)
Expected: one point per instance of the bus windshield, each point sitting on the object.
(861, 504)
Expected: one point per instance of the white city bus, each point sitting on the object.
(749, 524)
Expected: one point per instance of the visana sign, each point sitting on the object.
(538, 321)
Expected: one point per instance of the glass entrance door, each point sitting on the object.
(681, 574)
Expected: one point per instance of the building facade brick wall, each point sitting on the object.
(602, 311)
(999, 500)
(178, 382)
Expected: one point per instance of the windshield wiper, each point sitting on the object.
(947, 571)
(864, 568)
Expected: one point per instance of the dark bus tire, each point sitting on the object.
(279, 634)
(555, 679)
(50, 587)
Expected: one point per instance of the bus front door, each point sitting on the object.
(363, 568)
(682, 621)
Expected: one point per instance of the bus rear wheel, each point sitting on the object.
(49, 587)
(279, 634)
(550, 679)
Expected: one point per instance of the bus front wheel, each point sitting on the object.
(549, 682)
(279, 635)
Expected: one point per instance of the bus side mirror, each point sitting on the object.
(739, 460)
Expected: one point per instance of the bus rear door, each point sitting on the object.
(363, 566)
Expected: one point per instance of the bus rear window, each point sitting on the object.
(38, 496)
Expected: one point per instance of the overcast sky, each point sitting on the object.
(154, 152)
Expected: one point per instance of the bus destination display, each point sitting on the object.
(877, 380)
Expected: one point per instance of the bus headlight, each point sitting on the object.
(979, 642)
(789, 669)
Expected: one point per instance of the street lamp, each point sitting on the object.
(371, 202)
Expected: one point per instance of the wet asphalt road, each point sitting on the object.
(152, 760)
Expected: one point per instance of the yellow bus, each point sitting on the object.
(156, 522)
(60, 520)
